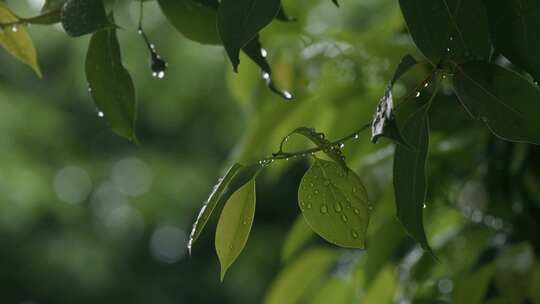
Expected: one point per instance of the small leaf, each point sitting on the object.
(195, 20)
(294, 281)
(239, 21)
(515, 28)
(506, 102)
(297, 237)
(81, 17)
(110, 84)
(410, 168)
(237, 176)
(234, 225)
(17, 41)
(334, 203)
(319, 139)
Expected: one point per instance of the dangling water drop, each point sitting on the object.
(338, 207)
(356, 211)
(14, 28)
(264, 53)
(417, 94)
(424, 206)
(341, 145)
(354, 234)
(308, 206)
(100, 114)
(356, 136)
(344, 218)
(324, 209)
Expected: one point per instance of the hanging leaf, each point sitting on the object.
(334, 203)
(515, 28)
(297, 237)
(16, 40)
(294, 281)
(236, 177)
(193, 19)
(410, 168)
(448, 28)
(234, 225)
(239, 21)
(110, 84)
(81, 17)
(319, 139)
(506, 102)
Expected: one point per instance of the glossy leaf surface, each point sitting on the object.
(81, 17)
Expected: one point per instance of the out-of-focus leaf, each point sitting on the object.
(50, 12)
(472, 288)
(297, 237)
(448, 28)
(534, 291)
(335, 204)
(192, 19)
(515, 28)
(239, 21)
(110, 84)
(336, 291)
(293, 281)
(17, 41)
(382, 290)
(514, 270)
(81, 17)
(410, 168)
(506, 102)
(234, 225)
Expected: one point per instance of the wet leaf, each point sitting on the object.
(234, 225)
(110, 84)
(506, 102)
(297, 237)
(294, 281)
(239, 21)
(334, 203)
(16, 40)
(410, 168)
(81, 17)
(319, 139)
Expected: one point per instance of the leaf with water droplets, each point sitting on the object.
(297, 237)
(234, 225)
(334, 203)
(81, 17)
(110, 84)
(17, 41)
(506, 102)
(319, 139)
(239, 21)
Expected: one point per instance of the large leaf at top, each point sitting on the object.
(81, 17)
(235, 177)
(110, 84)
(448, 28)
(234, 225)
(334, 203)
(506, 102)
(239, 21)
(515, 29)
(17, 41)
(195, 20)
(293, 282)
(410, 168)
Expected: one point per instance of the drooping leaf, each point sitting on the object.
(239, 21)
(234, 225)
(235, 177)
(506, 102)
(193, 19)
(334, 203)
(16, 40)
(81, 17)
(471, 288)
(297, 237)
(319, 139)
(515, 28)
(110, 84)
(294, 281)
(448, 28)
(410, 168)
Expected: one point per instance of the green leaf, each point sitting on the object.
(514, 272)
(515, 28)
(383, 288)
(239, 21)
(471, 288)
(319, 139)
(506, 102)
(297, 237)
(283, 16)
(16, 40)
(410, 168)
(51, 5)
(110, 84)
(448, 28)
(336, 290)
(234, 225)
(81, 17)
(235, 177)
(294, 281)
(334, 203)
(192, 19)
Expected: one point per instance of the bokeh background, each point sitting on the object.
(87, 217)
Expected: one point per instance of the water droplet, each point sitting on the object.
(354, 190)
(341, 145)
(354, 234)
(287, 95)
(424, 206)
(265, 76)
(14, 28)
(100, 114)
(344, 218)
(244, 222)
(264, 53)
(417, 94)
(152, 46)
(324, 209)
(451, 38)
(308, 206)
(356, 136)
(448, 50)
(327, 183)
(316, 191)
(356, 211)
(426, 84)
(140, 32)
(311, 184)
(231, 247)
(338, 207)
(89, 89)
